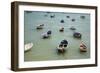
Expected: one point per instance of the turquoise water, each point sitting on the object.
(45, 49)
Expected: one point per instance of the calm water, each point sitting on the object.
(45, 49)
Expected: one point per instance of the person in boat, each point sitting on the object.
(61, 29)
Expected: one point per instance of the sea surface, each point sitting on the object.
(45, 49)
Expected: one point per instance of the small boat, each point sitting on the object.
(52, 16)
(40, 26)
(45, 35)
(77, 35)
(83, 17)
(61, 29)
(62, 21)
(68, 16)
(83, 48)
(73, 20)
(28, 46)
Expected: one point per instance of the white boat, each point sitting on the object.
(28, 46)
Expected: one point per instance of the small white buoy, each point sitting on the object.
(28, 46)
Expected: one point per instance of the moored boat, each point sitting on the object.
(28, 46)
(61, 29)
(77, 35)
(83, 48)
(40, 26)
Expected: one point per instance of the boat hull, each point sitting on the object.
(28, 46)
(83, 49)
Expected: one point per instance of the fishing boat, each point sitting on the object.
(28, 46)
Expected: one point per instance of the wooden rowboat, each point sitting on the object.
(28, 46)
